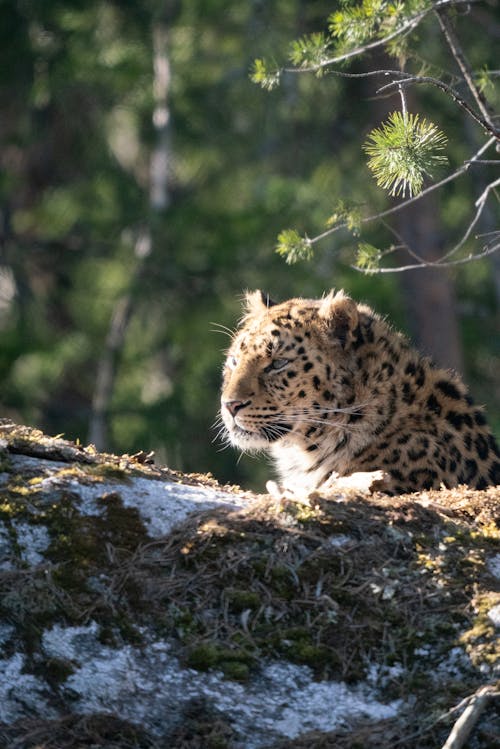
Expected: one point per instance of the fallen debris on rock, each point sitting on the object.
(143, 608)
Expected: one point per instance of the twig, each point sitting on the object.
(465, 166)
(466, 722)
(485, 122)
(403, 102)
(436, 263)
(454, 45)
(408, 26)
(479, 204)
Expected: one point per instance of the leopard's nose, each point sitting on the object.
(234, 406)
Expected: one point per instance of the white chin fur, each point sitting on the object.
(247, 441)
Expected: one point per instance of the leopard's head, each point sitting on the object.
(287, 369)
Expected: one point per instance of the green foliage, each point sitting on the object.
(484, 81)
(346, 213)
(368, 257)
(293, 247)
(311, 51)
(76, 95)
(355, 24)
(403, 151)
(265, 76)
(349, 26)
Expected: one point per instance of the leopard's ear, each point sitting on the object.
(257, 301)
(340, 313)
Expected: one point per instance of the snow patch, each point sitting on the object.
(146, 685)
(337, 542)
(493, 565)
(21, 695)
(32, 540)
(494, 615)
(6, 632)
(161, 504)
(164, 505)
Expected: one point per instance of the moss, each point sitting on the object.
(83, 573)
(318, 657)
(203, 656)
(118, 630)
(321, 605)
(304, 513)
(235, 670)
(234, 588)
(234, 663)
(481, 640)
(109, 471)
(241, 600)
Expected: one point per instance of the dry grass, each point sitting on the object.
(335, 585)
(76, 732)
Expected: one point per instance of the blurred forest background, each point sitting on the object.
(144, 179)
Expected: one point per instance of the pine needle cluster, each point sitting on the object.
(403, 151)
(293, 247)
(311, 51)
(265, 75)
(355, 24)
(368, 257)
(350, 26)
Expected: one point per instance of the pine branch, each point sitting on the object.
(293, 247)
(407, 27)
(370, 256)
(463, 64)
(486, 124)
(390, 211)
(402, 151)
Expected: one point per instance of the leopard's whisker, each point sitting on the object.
(218, 328)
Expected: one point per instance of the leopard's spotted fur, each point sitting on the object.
(330, 390)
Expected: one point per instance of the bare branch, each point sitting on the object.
(466, 722)
(485, 123)
(479, 204)
(408, 80)
(436, 264)
(462, 62)
(481, 199)
(444, 261)
(403, 101)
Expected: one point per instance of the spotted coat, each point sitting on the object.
(330, 389)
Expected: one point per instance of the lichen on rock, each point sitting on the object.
(140, 607)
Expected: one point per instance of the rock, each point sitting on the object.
(140, 607)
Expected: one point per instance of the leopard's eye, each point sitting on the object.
(276, 365)
(231, 362)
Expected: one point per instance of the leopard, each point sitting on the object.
(330, 390)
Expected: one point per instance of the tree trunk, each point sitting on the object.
(159, 200)
(429, 293)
